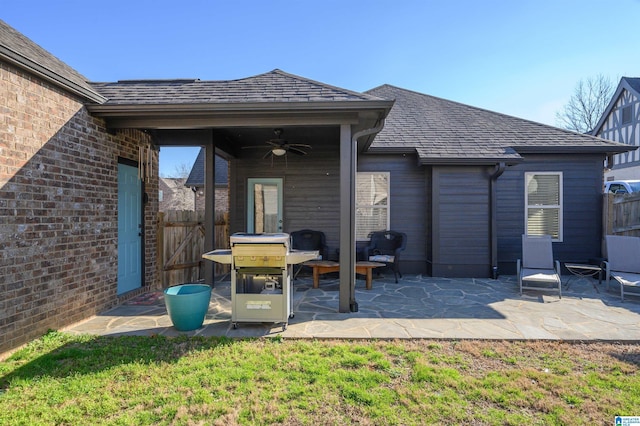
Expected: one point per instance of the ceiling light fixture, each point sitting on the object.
(279, 152)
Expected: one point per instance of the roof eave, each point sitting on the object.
(457, 161)
(48, 75)
(233, 114)
(590, 149)
(107, 109)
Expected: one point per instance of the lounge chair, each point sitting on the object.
(538, 265)
(385, 247)
(623, 261)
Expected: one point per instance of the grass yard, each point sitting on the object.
(69, 380)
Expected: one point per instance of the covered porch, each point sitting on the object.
(234, 119)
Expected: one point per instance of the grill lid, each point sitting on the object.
(246, 238)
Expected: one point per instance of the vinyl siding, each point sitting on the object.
(461, 217)
(409, 203)
(582, 208)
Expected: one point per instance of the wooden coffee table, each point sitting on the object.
(321, 267)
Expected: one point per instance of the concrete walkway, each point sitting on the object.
(417, 307)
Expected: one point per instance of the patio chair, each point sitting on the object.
(307, 239)
(385, 247)
(623, 261)
(537, 265)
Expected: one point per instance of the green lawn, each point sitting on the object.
(69, 380)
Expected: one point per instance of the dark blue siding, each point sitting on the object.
(582, 208)
(461, 217)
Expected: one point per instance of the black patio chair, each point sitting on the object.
(308, 239)
(385, 247)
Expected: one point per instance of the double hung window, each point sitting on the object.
(372, 203)
(543, 204)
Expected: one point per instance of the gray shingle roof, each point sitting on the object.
(196, 176)
(274, 86)
(22, 52)
(442, 131)
(634, 82)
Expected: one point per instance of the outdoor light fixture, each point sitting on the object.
(278, 151)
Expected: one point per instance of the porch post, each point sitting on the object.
(209, 208)
(347, 218)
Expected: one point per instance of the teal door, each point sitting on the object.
(129, 229)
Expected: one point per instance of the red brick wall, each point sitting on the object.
(58, 209)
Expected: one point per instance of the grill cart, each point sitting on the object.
(260, 276)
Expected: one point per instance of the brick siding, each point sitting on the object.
(58, 209)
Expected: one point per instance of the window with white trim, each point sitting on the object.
(372, 203)
(543, 204)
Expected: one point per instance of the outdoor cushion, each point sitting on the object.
(627, 278)
(540, 275)
(382, 258)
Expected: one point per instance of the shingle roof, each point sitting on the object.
(196, 176)
(634, 82)
(443, 131)
(274, 86)
(22, 52)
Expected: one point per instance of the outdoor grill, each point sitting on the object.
(260, 276)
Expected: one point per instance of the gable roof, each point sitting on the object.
(276, 95)
(631, 84)
(20, 51)
(196, 176)
(447, 132)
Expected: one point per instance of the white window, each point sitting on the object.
(543, 204)
(372, 203)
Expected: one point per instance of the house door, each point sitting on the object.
(264, 205)
(129, 229)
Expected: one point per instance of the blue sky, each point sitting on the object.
(521, 58)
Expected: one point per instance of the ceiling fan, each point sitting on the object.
(279, 147)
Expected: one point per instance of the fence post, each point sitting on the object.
(160, 250)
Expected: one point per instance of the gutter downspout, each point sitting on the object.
(353, 305)
(499, 169)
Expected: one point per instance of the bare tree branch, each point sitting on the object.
(587, 104)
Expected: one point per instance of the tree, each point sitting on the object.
(587, 104)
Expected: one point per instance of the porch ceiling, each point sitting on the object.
(230, 141)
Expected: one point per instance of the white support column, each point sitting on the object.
(347, 219)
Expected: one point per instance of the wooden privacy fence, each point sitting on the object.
(181, 245)
(621, 214)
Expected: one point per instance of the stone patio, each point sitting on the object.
(416, 307)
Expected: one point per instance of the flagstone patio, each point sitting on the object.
(416, 307)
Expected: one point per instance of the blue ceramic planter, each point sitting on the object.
(187, 305)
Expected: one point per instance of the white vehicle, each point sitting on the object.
(622, 186)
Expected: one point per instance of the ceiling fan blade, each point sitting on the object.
(296, 151)
(300, 145)
(268, 153)
(275, 142)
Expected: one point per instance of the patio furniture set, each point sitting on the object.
(383, 250)
(538, 266)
